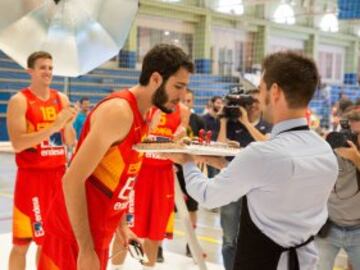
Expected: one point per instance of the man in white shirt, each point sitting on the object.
(286, 181)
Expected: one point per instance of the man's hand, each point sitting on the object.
(223, 120)
(64, 117)
(244, 118)
(88, 260)
(125, 234)
(179, 133)
(350, 153)
(179, 158)
(214, 161)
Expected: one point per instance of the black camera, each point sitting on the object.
(339, 139)
(236, 98)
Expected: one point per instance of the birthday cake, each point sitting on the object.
(192, 146)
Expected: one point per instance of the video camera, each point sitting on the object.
(339, 139)
(236, 98)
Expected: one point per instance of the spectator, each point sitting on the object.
(212, 123)
(342, 229)
(84, 105)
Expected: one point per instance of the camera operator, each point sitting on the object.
(343, 227)
(248, 127)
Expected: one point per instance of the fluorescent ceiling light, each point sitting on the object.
(284, 14)
(230, 6)
(329, 23)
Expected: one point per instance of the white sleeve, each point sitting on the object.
(243, 173)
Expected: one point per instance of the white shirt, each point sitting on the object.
(287, 180)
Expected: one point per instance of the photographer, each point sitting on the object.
(244, 127)
(343, 227)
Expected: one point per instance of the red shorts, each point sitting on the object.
(34, 190)
(154, 201)
(58, 254)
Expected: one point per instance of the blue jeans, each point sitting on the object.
(339, 237)
(212, 171)
(230, 223)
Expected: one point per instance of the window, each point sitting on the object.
(149, 37)
(278, 43)
(230, 6)
(239, 56)
(331, 63)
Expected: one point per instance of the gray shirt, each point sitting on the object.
(344, 202)
(287, 180)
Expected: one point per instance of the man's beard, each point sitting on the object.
(160, 98)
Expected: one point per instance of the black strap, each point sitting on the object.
(293, 257)
(304, 127)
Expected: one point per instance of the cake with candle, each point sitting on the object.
(193, 146)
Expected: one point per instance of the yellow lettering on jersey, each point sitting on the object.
(162, 131)
(162, 121)
(134, 168)
(48, 113)
(42, 125)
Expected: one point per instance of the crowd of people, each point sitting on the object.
(288, 200)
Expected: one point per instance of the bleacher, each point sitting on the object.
(324, 99)
(102, 81)
(99, 83)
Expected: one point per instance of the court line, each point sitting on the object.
(200, 237)
(5, 218)
(203, 226)
(6, 195)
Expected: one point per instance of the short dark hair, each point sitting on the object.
(357, 102)
(353, 116)
(253, 91)
(83, 99)
(215, 98)
(294, 73)
(345, 105)
(35, 56)
(189, 91)
(165, 59)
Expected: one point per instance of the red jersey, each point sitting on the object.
(108, 187)
(50, 153)
(166, 127)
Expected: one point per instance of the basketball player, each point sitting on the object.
(154, 188)
(38, 119)
(94, 197)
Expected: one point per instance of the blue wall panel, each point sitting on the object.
(349, 9)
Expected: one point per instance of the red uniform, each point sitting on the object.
(154, 188)
(107, 192)
(40, 169)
